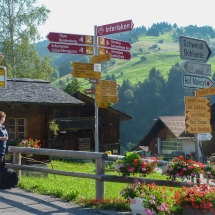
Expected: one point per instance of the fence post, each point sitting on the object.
(100, 169)
(17, 160)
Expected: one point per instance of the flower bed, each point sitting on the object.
(183, 168)
(132, 163)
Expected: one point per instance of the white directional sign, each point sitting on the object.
(198, 82)
(194, 49)
(196, 68)
(206, 136)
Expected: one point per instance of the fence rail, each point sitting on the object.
(100, 176)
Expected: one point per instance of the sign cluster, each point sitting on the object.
(105, 91)
(197, 109)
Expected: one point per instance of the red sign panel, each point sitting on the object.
(69, 38)
(115, 44)
(90, 91)
(115, 28)
(70, 49)
(116, 53)
(94, 80)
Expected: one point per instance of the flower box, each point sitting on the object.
(137, 206)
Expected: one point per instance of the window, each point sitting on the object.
(168, 145)
(16, 129)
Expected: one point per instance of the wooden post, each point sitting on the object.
(100, 169)
(17, 160)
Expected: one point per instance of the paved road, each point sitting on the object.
(19, 202)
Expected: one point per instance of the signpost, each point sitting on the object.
(197, 114)
(196, 100)
(115, 27)
(196, 81)
(94, 81)
(3, 76)
(89, 91)
(85, 74)
(196, 68)
(101, 58)
(197, 107)
(107, 99)
(194, 49)
(206, 136)
(70, 38)
(123, 55)
(205, 92)
(115, 44)
(70, 49)
(198, 129)
(197, 122)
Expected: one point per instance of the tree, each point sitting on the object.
(19, 21)
(73, 86)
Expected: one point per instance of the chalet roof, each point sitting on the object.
(176, 125)
(83, 97)
(34, 91)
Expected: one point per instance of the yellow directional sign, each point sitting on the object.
(198, 122)
(102, 104)
(3, 76)
(196, 100)
(83, 66)
(205, 91)
(197, 107)
(100, 90)
(198, 114)
(101, 58)
(107, 83)
(85, 74)
(198, 129)
(107, 99)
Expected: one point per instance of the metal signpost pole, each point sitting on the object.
(96, 106)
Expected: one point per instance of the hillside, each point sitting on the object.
(159, 55)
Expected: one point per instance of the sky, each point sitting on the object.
(80, 16)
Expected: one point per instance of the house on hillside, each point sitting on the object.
(77, 127)
(167, 137)
(29, 105)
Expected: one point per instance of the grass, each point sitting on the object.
(79, 190)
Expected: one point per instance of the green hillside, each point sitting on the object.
(159, 55)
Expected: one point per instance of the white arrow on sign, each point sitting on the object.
(194, 49)
(206, 136)
(196, 68)
(198, 82)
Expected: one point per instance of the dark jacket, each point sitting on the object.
(3, 144)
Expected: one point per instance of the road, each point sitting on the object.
(19, 202)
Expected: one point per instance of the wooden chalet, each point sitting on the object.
(29, 105)
(77, 127)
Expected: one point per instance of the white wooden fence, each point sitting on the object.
(100, 176)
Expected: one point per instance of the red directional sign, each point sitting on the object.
(116, 53)
(70, 49)
(70, 38)
(90, 91)
(115, 28)
(115, 44)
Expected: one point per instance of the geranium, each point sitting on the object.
(183, 168)
(156, 200)
(30, 143)
(209, 172)
(132, 163)
(200, 198)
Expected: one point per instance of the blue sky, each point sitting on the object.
(80, 16)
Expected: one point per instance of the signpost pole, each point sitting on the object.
(196, 139)
(96, 106)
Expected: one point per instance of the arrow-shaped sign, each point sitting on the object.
(115, 44)
(190, 81)
(194, 49)
(196, 68)
(198, 122)
(196, 100)
(70, 38)
(197, 107)
(206, 136)
(205, 92)
(198, 129)
(85, 74)
(101, 58)
(115, 27)
(89, 91)
(197, 114)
